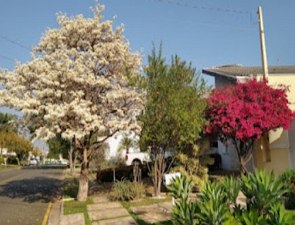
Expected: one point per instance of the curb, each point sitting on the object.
(46, 216)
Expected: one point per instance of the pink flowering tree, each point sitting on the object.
(244, 112)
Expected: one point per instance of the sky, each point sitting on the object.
(205, 32)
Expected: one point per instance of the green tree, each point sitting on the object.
(126, 143)
(16, 143)
(7, 122)
(57, 145)
(174, 113)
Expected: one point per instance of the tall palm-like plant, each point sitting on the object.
(126, 144)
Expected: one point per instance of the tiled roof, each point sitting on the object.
(237, 70)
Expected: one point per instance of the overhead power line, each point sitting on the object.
(7, 58)
(207, 8)
(15, 42)
(217, 9)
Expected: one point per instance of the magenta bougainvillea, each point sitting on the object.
(245, 111)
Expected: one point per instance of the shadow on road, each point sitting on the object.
(37, 189)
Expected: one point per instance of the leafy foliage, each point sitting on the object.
(1, 160)
(174, 112)
(244, 112)
(288, 179)
(16, 143)
(279, 216)
(57, 145)
(232, 187)
(7, 122)
(217, 202)
(126, 190)
(180, 187)
(263, 190)
(184, 211)
(212, 205)
(77, 85)
(189, 163)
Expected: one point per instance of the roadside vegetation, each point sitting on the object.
(216, 203)
(84, 85)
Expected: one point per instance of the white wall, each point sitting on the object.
(229, 157)
(114, 144)
(292, 144)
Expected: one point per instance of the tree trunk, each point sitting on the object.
(83, 181)
(159, 169)
(18, 161)
(70, 153)
(75, 159)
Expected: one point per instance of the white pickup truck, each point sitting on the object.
(141, 157)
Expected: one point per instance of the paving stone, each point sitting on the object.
(152, 213)
(72, 219)
(166, 206)
(107, 213)
(241, 200)
(103, 206)
(100, 199)
(119, 221)
(154, 217)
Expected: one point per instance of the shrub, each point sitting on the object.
(263, 190)
(12, 160)
(212, 205)
(2, 160)
(126, 190)
(216, 204)
(232, 187)
(184, 211)
(288, 180)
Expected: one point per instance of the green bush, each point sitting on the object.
(263, 190)
(232, 187)
(12, 160)
(184, 212)
(212, 205)
(288, 180)
(126, 190)
(216, 204)
(2, 160)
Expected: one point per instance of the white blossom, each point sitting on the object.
(76, 83)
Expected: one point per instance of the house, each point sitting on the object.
(281, 143)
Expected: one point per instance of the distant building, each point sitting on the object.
(5, 153)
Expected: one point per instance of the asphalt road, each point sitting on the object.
(25, 194)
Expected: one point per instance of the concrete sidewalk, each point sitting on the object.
(101, 212)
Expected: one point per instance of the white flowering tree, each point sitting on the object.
(77, 85)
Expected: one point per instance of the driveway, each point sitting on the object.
(25, 194)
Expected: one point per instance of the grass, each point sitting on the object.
(71, 184)
(9, 167)
(70, 190)
(146, 201)
(72, 207)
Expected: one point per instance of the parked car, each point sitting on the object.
(33, 162)
(64, 162)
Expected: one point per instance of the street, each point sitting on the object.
(25, 194)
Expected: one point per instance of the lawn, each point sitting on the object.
(71, 207)
(70, 192)
(8, 167)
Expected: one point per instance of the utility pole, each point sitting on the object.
(265, 138)
(262, 43)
